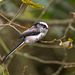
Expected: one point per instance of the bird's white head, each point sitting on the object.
(41, 24)
(42, 27)
(44, 24)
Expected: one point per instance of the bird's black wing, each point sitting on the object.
(29, 33)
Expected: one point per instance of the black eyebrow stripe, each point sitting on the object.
(44, 25)
(36, 24)
(40, 24)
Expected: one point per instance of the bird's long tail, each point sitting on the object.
(12, 51)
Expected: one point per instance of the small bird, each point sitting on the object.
(31, 35)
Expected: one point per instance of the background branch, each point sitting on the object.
(11, 22)
(16, 13)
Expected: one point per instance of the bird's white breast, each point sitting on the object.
(32, 39)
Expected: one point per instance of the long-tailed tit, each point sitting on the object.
(31, 35)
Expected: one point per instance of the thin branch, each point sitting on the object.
(58, 71)
(4, 66)
(2, 25)
(67, 29)
(72, 28)
(64, 22)
(18, 25)
(72, 14)
(53, 40)
(44, 61)
(5, 17)
(25, 8)
(16, 13)
(12, 22)
(50, 22)
(26, 55)
(62, 66)
(4, 46)
(15, 28)
(69, 66)
(6, 50)
(23, 73)
(2, 70)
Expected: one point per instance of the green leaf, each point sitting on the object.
(32, 4)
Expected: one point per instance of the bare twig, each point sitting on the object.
(18, 25)
(4, 65)
(72, 14)
(25, 8)
(70, 24)
(16, 13)
(53, 40)
(69, 66)
(44, 61)
(62, 66)
(58, 71)
(50, 22)
(67, 29)
(12, 22)
(15, 28)
(5, 17)
(6, 50)
(26, 55)
(2, 70)
(6, 68)
(3, 45)
(24, 70)
(2, 25)
(55, 22)
(72, 28)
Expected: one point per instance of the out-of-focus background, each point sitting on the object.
(40, 59)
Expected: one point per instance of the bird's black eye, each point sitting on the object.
(36, 24)
(44, 26)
